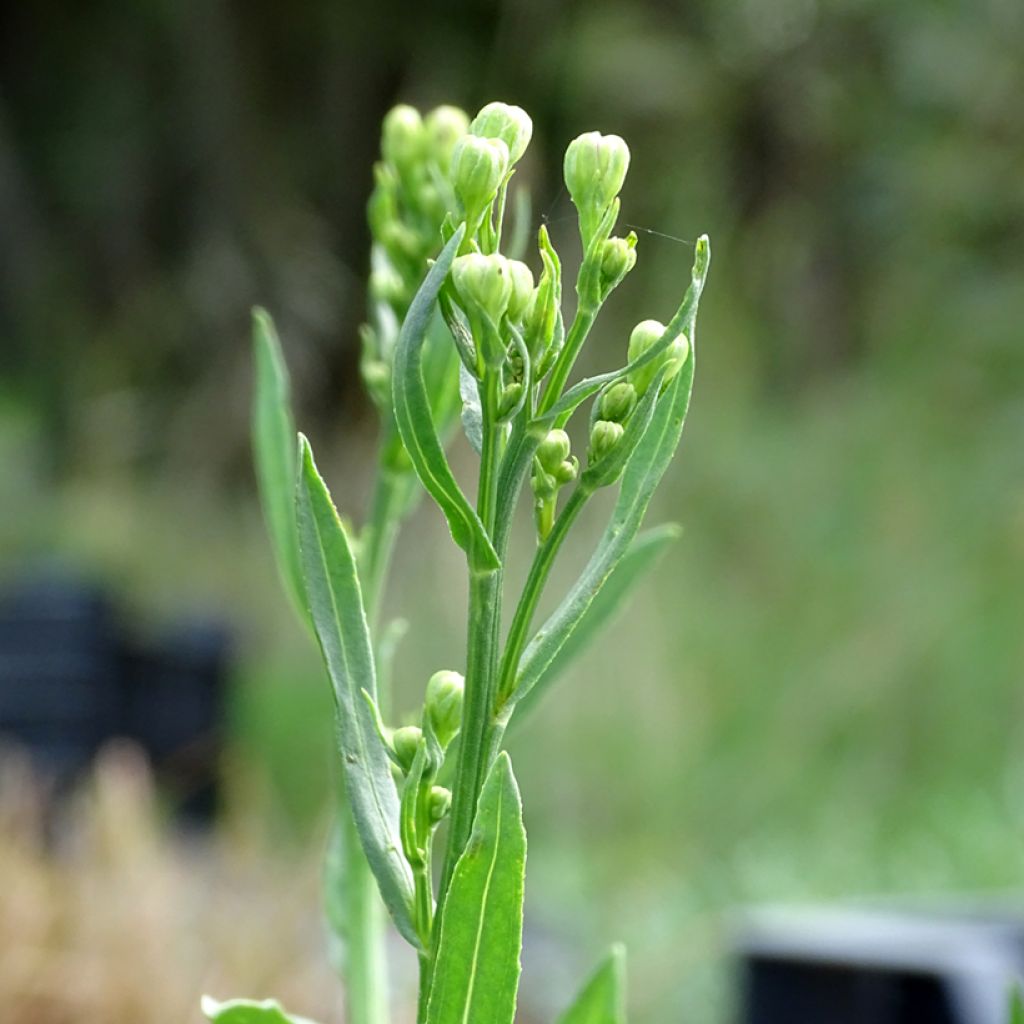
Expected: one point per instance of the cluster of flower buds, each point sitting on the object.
(553, 468)
(484, 159)
(410, 200)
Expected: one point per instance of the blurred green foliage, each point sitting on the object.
(825, 683)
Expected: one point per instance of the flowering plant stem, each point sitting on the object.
(455, 323)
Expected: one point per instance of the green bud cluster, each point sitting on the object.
(409, 202)
(553, 468)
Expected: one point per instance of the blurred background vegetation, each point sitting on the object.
(819, 696)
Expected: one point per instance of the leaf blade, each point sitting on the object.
(476, 975)
(603, 998)
(339, 621)
(416, 424)
(274, 452)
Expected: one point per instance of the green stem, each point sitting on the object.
(543, 560)
(578, 331)
(481, 646)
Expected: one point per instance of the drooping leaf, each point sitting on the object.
(642, 475)
(339, 619)
(249, 1011)
(476, 973)
(642, 555)
(416, 425)
(603, 998)
(274, 452)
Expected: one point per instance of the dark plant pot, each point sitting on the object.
(877, 966)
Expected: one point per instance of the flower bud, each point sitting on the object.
(438, 803)
(554, 450)
(483, 282)
(386, 285)
(405, 742)
(522, 290)
(618, 257)
(595, 169)
(478, 167)
(603, 438)
(443, 704)
(567, 471)
(444, 126)
(510, 399)
(618, 402)
(644, 335)
(506, 122)
(402, 135)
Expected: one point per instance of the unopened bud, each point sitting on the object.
(603, 438)
(522, 290)
(567, 471)
(554, 450)
(439, 803)
(618, 402)
(402, 135)
(444, 126)
(443, 704)
(506, 122)
(618, 257)
(510, 397)
(405, 742)
(483, 282)
(644, 335)
(386, 284)
(595, 169)
(478, 167)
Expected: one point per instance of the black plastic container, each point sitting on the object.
(877, 966)
(72, 678)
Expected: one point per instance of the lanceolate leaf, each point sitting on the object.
(476, 974)
(643, 554)
(273, 442)
(339, 619)
(643, 473)
(248, 1011)
(416, 425)
(603, 999)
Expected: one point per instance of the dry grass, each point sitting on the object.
(108, 917)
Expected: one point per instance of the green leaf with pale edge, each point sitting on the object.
(643, 473)
(476, 974)
(339, 619)
(603, 999)
(273, 444)
(416, 424)
(643, 554)
(1016, 1007)
(249, 1011)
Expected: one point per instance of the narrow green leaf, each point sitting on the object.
(248, 1011)
(603, 999)
(476, 973)
(416, 425)
(642, 555)
(1016, 1006)
(339, 619)
(274, 452)
(643, 473)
